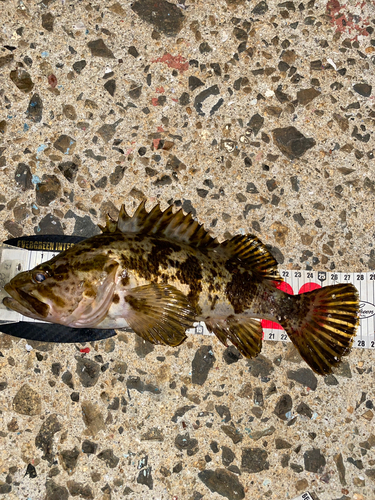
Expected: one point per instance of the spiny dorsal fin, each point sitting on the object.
(134, 224)
(255, 256)
(184, 229)
(173, 226)
(110, 225)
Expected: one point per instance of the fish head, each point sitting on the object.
(65, 290)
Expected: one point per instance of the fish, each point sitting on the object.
(158, 272)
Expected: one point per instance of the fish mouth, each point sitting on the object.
(25, 303)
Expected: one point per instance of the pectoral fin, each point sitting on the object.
(244, 333)
(159, 313)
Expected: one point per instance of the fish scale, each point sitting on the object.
(159, 272)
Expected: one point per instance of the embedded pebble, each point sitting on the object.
(49, 225)
(69, 170)
(22, 80)
(223, 482)
(304, 376)
(27, 401)
(145, 477)
(78, 489)
(47, 21)
(65, 144)
(254, 460)
(35, 108)
(260, 366)
(164, 16)
(109, 458)
(48, 190)
(291, 142)
(83, 225)
(69, 459)
(88, 371)
(201, 365)
(99, 49)
(92, 417)
(45, 437)
(55, 491)
(314, 460)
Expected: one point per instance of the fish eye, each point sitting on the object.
(39, 277)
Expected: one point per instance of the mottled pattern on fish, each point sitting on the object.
(158, 272)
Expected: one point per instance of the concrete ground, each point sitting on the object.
(257, 117)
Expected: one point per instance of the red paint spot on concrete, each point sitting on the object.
(86, 350)
(159, 90)
(156, 143)
(155, 101)
(160, 129)
(176, 62)
(52, 80)
(258, 156)
(346, 22)
(174, 99)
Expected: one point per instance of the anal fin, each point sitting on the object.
(244, 333)
(159, 313)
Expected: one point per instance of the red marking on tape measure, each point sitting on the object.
(309, 287)
(285, 287)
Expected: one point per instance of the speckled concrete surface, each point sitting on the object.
(258, 117)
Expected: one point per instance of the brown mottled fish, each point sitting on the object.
(159, 272)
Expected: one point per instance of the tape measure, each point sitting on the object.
(304, 496)
(14, 259)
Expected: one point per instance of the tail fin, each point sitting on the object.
(324, 330)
